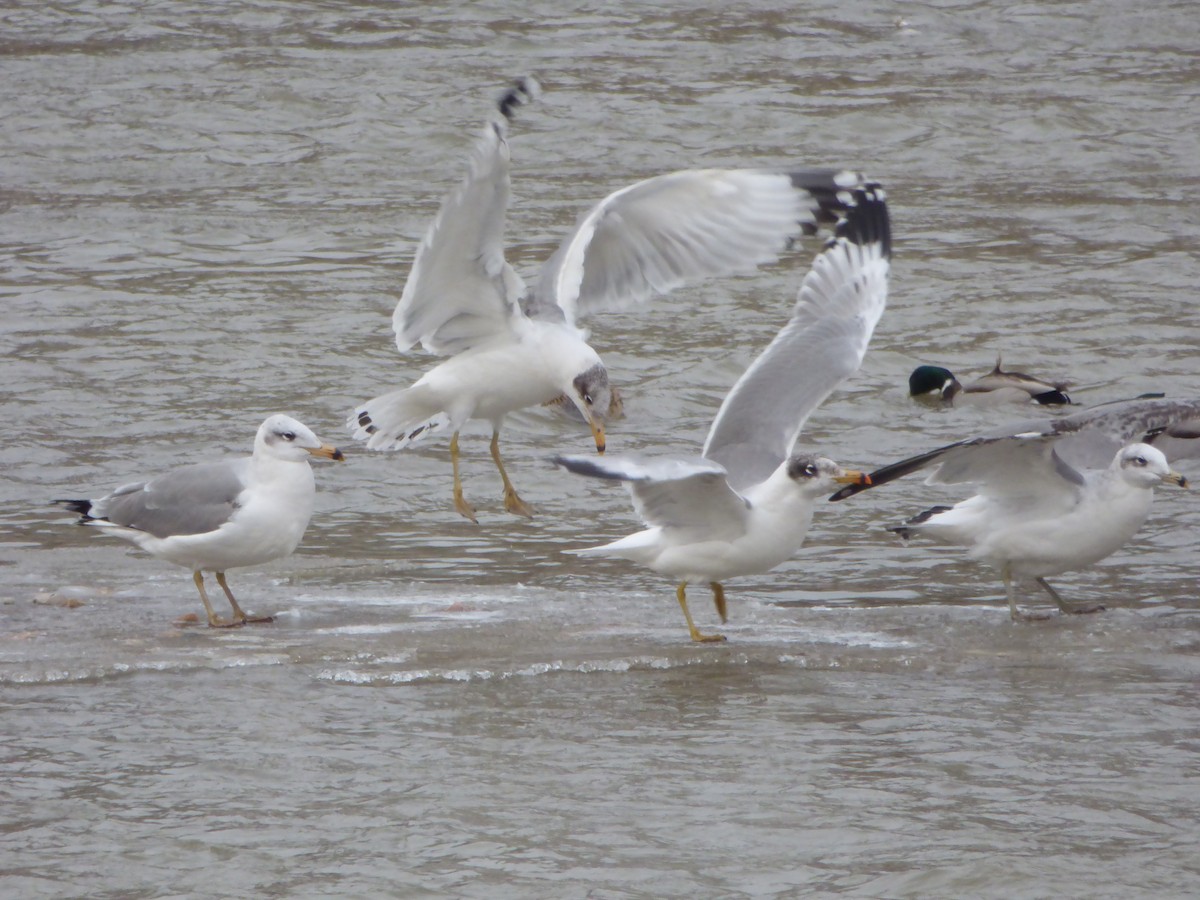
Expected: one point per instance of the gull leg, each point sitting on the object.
(239, 615)
(1066, 607)
(214, 621)
(512, 502)
(719, 600)
(460, 502)
(696, 635)
(1017, 615)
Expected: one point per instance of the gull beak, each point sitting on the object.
(597, 433)
(327, 451)
(851, 476)
(1175, 478)
(594, 421)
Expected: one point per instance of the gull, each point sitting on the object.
(996, 388)
(221, 515)
(508, 347)
(746, 504)
(1054, 496)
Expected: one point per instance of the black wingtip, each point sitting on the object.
(1053, 398)
(906, 531)
(523, 91)
(866, 220)
(849, 491)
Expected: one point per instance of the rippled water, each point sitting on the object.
(207, 211)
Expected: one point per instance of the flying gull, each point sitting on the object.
(746, 504)
(508, 347)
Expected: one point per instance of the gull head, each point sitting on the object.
(933, 381)
(1144, 466)
(818, 474)
(592, 396)
(282, 437)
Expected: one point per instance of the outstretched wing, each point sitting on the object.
(461, 290)
(672, 493)
(840, 302)
(1051, 453)
(658, 234)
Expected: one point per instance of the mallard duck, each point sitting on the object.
(997, 387)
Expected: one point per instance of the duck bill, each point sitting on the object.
(327, 451)
(851, 476)
(1175, 478)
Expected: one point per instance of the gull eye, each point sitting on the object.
(1139, 460)
(288, 435)
(810, 471)
(587, 398)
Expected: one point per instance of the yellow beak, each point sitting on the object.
(852, 476)
(328, 451)
(1175, 478)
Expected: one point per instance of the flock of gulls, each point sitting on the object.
(1052, 495)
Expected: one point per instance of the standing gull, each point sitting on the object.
(510, 348)
(222, 515)
(1056, 495)
(746, 505)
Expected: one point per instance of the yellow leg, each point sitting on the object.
(460, 502)
(719, 600)
(239, 616)
(1066, 607)
(1016, 614)
(512, 502)
(696, 635)
(214, 621)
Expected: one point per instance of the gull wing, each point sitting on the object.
(840, 302)
(655, 235)
(189, 500)
(672, 493)
(461, 290)
(1053, 452)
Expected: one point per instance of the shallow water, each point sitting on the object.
(207, 213)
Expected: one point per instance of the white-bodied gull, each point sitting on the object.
(510, 348)
(1056, 495)
(221, 515)
(746, 505)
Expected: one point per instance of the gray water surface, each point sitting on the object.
(207, 212)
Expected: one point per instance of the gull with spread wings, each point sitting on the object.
(1054, 495)
(746, 504)
(510, 348)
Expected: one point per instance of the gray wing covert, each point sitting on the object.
(190, 500)
(672, 493)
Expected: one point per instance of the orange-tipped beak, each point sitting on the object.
(598, 434)
(851, 476)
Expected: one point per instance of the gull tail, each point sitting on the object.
(393, 421)
(84, 508)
